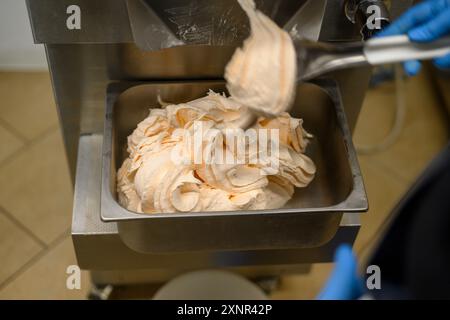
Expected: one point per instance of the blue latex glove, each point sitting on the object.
(424, 22)
(344, 282)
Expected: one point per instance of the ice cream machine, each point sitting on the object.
(110, 58)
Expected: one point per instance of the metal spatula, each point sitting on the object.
(317, 58)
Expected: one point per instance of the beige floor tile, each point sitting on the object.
(27, 102)
(46, 279)
(377, 115)
(384, 190)
(16, 247)
(425, 131)
(35, 188)
(304, 286)
(9, 143)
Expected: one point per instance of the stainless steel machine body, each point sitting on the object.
(177, 41)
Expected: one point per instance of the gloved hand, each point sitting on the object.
(344, 282)
(424, 22)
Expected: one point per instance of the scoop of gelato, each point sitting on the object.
(262, 74)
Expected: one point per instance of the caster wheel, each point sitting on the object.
(268, 284)
(100, 292)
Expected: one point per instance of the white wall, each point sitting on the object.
(17, 50)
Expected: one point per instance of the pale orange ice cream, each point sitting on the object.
(260, 77)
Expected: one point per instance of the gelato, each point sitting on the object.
(195, 156)
(262, 74)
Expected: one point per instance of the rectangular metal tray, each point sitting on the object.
(310, 219)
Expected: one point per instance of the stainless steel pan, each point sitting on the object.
(310, 219)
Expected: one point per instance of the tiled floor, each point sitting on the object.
(387, 174)
(36, 195)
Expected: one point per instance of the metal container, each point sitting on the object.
(311, 218)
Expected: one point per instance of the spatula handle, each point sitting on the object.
(399, 48)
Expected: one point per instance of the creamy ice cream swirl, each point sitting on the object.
(260, 77)
(150, 181)
(262, 74)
